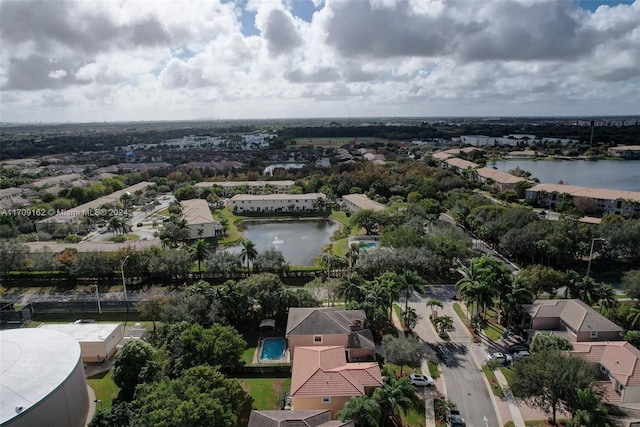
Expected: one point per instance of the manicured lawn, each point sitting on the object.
(433, 370)
(415, 417)
(460, 313)
(406, 370)
(247, 355)
(102, 384)
(340, 216)
(341, 247)
(233, 235)
(495, 387)
(265, 391)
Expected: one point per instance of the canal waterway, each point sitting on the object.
(612, 174)
(300, 241)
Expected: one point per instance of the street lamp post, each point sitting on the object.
(124, 284)
(591, 252)
(98, 295)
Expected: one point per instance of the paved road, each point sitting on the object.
(464, 381)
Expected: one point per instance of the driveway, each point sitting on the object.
(464, 381)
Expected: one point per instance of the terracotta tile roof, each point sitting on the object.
(323, 371)
(461, 163)
(588, 192)
(619, 357)
(441, 155)
(499, 176)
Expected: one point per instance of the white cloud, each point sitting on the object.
(127, 60)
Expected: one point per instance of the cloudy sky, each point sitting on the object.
(121, 60)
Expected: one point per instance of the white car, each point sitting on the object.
(502, 358)
(521, 354)
(420, 380)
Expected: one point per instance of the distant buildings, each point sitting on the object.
(355, 202)
(200, 222)
(619, 202)
(251, 187)
(625, 151)
(310, 202)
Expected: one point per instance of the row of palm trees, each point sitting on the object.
(199, 251)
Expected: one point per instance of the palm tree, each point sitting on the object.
(572, 286)
(199, 252)
(393, 397)
(412, 282)
(607, 297)
(589, 412)
(473, 278)
(249, 252)
(634, 317)
(410, 317)
(444, 323)
(520, 294)
(434, 303)
(352, 288)
(354, 253)
(363, 410)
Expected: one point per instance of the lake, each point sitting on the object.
(612, 174)
(300, 241)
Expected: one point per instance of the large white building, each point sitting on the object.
(98, 341)
(42, 381)
(277, 202)
(251, 187)
(603, 200)
(200, 222)
(355, 202)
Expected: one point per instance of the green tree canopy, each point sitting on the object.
(546, 341)
(403, 351)
(215, 346)
(129, 363)
(550, 379)
(201, 396)
(363, 410)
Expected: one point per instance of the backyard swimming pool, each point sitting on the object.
(272, 349)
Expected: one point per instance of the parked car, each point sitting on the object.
(420, 380)
(520, 354)
(498, 357)
(518, 347)
(445, 355)
(455, 419)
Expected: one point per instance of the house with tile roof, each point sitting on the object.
(321, 378)
(572, 319)
(312, 326)
(287, 418)
(619, 363)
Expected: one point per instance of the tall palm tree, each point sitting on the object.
(249, 252)
(473, 278)
(434, 303)
(607, 297)
(352, 288)
(572, 285)
(392, 398)
(520, 294)
(199, 252)
(354, 253)
(412, 282)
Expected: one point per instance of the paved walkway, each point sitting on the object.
(516, 415)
